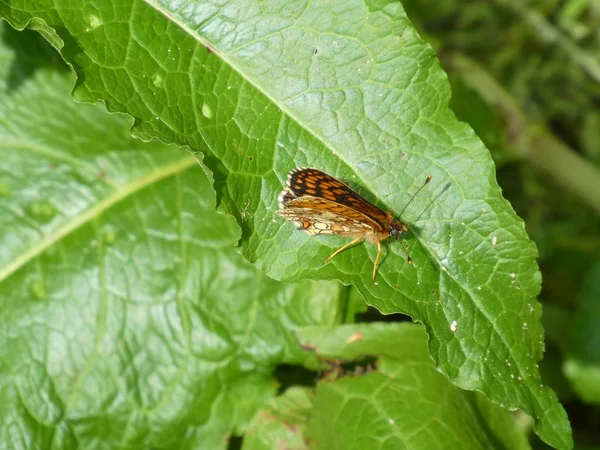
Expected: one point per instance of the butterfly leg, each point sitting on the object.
(408, 258)
(376, 260)
(341, 249)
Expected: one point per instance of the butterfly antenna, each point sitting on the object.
(427, 180)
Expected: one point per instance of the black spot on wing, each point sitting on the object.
(313, 182)
(309, 181)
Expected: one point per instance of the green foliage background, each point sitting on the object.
(130, 321)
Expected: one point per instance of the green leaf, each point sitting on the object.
(128, 320)
(350, 88)
(404, 402)
(582, 366)
(283, 423)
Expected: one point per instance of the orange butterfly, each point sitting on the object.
(317, 203)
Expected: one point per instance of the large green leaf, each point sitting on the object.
(127, 319)
(402, 403)
(350, 88)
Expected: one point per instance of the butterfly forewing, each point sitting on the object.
(314, 183)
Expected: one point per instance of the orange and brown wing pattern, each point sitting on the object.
(314, 183)
(319, 204)
(319, 216)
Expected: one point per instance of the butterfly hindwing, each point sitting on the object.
(316, 215)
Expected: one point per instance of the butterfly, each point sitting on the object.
(318, 203)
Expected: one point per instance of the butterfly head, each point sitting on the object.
(397, 228)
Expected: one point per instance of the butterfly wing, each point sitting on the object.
(314, 183)
(316, 215)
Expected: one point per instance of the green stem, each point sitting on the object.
(532, 141)
(569, 169)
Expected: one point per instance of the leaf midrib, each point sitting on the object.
(118, 195)
(282, 106)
